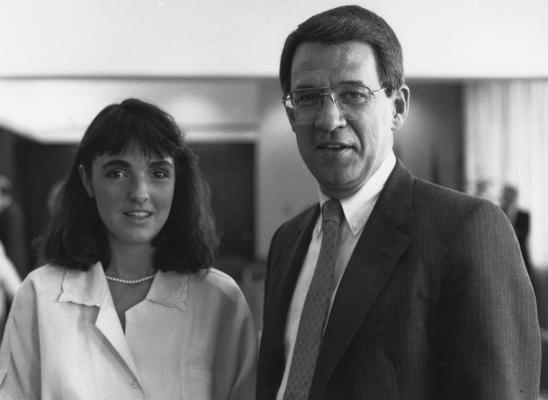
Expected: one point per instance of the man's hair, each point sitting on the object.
(75, 237)
(343, 24)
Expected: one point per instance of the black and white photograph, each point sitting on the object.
(273, 200)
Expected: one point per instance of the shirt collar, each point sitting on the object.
(90, 287)
(357, 207)
(84, 287)
(169, 289)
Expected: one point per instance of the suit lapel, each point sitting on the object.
(373, 261)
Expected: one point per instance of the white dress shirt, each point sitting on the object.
(192, 337)
(357, 209)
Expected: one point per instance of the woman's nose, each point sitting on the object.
(139, 191)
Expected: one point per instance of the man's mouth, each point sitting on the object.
(332, 146)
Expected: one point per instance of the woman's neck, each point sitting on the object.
(131, 262)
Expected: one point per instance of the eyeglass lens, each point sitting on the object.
(351, 100)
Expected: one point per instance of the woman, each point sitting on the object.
(129, 306)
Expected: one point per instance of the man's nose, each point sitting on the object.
(329, 116)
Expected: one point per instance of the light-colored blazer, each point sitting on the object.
(191, 338)
(435, 303)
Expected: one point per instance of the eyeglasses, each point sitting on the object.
(350, 99)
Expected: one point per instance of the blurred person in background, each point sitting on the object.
(130, 306)
(53, 194)
(12, 228)
(519, 218)
(9, 283)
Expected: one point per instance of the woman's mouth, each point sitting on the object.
(138, 214)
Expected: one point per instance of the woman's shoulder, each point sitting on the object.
(41, 283)
(45, 274)
(218, 281)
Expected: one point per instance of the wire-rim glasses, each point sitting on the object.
(351, 99)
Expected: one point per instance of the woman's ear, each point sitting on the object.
(86, 181)
(401, 107)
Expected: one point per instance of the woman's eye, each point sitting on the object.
(161, 174)
(116, 174)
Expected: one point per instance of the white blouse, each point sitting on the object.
(192, 337)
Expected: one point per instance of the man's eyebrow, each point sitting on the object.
(306, 86)
(355, 82)
(347, 82)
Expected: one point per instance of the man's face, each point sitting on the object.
(342, 152)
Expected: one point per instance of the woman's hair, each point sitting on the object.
(344, 24)
(75, 236)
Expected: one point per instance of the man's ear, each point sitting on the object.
(85, 181)
(401, 107)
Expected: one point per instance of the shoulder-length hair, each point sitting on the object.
(75, 236)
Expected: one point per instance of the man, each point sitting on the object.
(427, 296)
(519, 219)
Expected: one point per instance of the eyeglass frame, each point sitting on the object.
(327, 91)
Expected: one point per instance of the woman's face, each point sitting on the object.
(133, 194)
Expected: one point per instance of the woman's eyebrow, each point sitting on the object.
(115, 163)
(161, 163)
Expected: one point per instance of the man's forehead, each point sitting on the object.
(330, 64)
(325, 77)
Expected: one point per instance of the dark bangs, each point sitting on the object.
(130, 125)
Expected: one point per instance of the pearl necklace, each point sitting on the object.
(130, 281)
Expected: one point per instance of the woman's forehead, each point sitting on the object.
(137, 149)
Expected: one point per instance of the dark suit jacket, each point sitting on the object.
(435, 303)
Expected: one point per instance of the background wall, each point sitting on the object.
(238, 127)
(467, 38)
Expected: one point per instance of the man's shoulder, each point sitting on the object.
(428, 192)
(451, 209)
(291, 228)
(298, 220)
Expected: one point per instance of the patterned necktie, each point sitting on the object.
(316, 306)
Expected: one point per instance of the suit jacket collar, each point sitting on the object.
(373, 261)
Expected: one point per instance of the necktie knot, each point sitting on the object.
(332, 211)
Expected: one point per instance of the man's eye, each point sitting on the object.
(306, 98)
(354, 97)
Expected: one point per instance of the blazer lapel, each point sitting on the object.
(90, 288)
(109, 325)
(373, 261)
